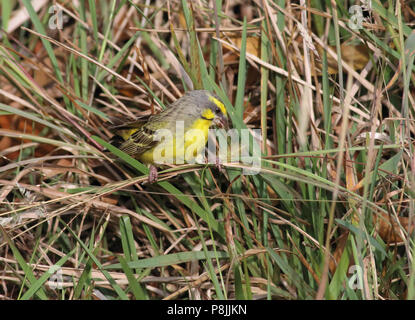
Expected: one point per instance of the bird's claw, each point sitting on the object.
(152, 175)
(218, 165)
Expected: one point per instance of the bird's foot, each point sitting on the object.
(152, 175)
(218, 165)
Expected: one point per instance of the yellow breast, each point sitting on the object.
(174, 151)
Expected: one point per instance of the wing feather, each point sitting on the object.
(138, 136)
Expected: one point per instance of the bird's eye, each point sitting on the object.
(216, 109)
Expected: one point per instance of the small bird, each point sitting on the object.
(195, 113)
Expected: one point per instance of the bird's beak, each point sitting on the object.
(221, 121)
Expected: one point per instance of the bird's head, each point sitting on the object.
(213, 109)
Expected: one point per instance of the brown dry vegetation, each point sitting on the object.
(336, 188)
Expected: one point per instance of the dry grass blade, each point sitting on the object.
(319, 202)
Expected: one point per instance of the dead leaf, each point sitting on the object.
(342, 240)
(253, 45)
(389, 230)
(356, 56)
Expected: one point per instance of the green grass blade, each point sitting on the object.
(170, 259)
(40, 28)
(34, 287)
(135, 286)
(240, 92)
(112, 282)
(22, 263)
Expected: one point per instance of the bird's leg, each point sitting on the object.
(218, 165)
(217, 162)
(152, 175)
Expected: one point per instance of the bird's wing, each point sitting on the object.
(134, 138)
(143, 138)
(122, 125)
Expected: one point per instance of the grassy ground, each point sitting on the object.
(329, 216)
